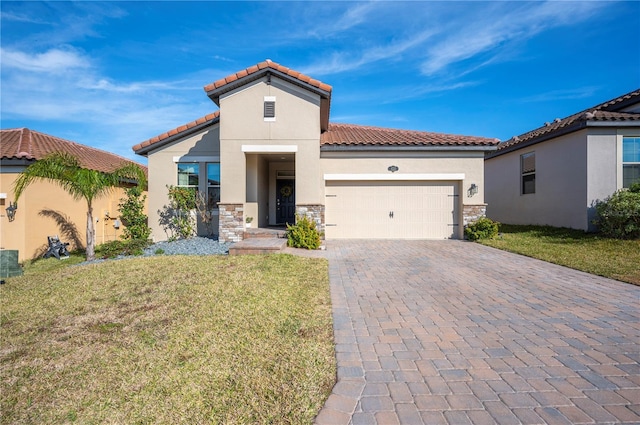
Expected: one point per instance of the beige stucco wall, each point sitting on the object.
(200, 147)
(40, 208)
(561, 185)
(469, 163)
(296, 124)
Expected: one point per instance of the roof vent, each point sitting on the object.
(515, 138)
(547, 124)
(557, 120)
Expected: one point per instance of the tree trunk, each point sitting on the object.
(91, 234)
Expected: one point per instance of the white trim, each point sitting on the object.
(269, 148)
(187, 158)
(269, 98)
(272, 119)
(395, 177)
(3, 196)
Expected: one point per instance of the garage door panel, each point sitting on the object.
(382, 210)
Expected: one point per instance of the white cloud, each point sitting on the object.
(486, 32)
(52, 61)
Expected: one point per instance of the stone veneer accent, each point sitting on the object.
(314, 212)
(471, 213)
(231, 224)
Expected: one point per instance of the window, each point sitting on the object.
(213, 185)
(188, 174)
(269, 108)
(630, 160)
(528, 167)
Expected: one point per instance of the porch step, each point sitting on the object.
(252, 233)
(258, 246)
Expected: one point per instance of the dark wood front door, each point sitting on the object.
(285, 201)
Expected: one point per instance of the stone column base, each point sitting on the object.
(231, 225)
(315, 212)
(471, 213)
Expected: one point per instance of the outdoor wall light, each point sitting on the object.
(11, 211)
(473, 189)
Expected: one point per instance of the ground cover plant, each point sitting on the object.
(589, 252)
(167, 340)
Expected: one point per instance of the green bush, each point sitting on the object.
(483, 228)
(303, 234)
(618, 216)
(116, 248)
(132, 214)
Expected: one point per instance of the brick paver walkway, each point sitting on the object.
(451, 332)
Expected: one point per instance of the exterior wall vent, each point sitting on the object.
(269, 108)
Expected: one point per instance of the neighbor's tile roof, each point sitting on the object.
(183, 128)
(358, 135)
(22, 143)
(263, 65)
(604, 112)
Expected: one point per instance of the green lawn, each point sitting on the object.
(617, 259)
(167, 340)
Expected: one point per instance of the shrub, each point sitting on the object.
(177, 217)
(303, 234)
(132, 214)
(122, 247)
(483, 228)
(618, 216)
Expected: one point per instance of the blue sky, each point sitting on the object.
(113, 74)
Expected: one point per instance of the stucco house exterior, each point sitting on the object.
(270, 153)
(45, 209)
(553, 175)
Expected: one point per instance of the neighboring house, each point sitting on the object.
(554, 174)
(45, 209)
(270, 153)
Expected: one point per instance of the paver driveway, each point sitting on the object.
(454, 332)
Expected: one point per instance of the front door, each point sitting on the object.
(285, 201)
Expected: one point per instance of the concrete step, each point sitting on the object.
(258, 246)
(251, 233)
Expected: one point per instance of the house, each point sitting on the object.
(270, 153)
(45, 209)
(553, 175)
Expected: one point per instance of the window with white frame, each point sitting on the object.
(213, 185)
(188, 174)
(630, 160)
(528, 172)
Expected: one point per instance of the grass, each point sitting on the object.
(167, 340)
(613, 258)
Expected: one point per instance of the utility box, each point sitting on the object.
(9, 263)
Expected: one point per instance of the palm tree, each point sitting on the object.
(65, 170)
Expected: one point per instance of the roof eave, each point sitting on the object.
(144, 151)
(215, 94)
(361, 148)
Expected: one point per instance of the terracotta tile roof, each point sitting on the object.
(22, 143)
(608, 111)
(267, 64)
(144, 146)
(357, 135)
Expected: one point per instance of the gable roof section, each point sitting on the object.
(349, 136)
(171, 135)
(609, 113)
(269, 68)
(29, 145)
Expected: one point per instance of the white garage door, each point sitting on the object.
(391, 210)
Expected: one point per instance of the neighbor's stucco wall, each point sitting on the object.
(45, 209)
(560, 199)
(297, 123)
(200, 147)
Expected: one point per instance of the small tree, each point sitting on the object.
(133, 216)
(618, 216)
(177, 217)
